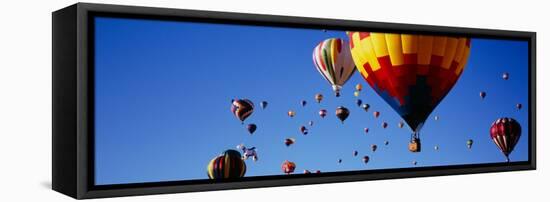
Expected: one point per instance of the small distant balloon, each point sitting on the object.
(263, 104)
(436, 118)
(317, 171)
(356, 93)
(291, 113)
(376, 114)
(303, 130)
(366, 159)
(358, 87)
(359, 102)
(342, 113)
(289, 141)
(318, 97)
(482, 94)
(366, 130)
(373, 147)
(322, 113)
(414, 163)
(339, 160)
(251, 128)
(310, 123)
(400, 124)
(505, 75)
(384, 125)
(303, 103)
(355, 153)
(518, 106)
(365, 107)
(248, 152)
(307, 172)
(288, 167)
(386, 142)
(436, 147)
(469, 143)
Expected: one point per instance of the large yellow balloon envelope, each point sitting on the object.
(412, 73)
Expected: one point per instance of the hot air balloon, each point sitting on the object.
(482, 94)
(505, 132)
(366, 159)
(339, 160)
(263, 104)
(307, 172)
(288, 167)
(356, 93)
(436, 118)
(310, 123)
(384, 125)
(518, 106)
(469, 143)
(358, 87)
(400, 124)
(248, 152)
(342, 113)
(318, 97)
(251, 128)
(373, 147)
(365, 107)
(386, 142)
(289, 141)
(303, 103)
(291, 113)
(376, 114)
(355, 153)
(359, 102)
(227, 165)
(322, 113)
(366, 130)
(412, 73)
(333, 60)
(505, 75)
(414, 163)
(317, 171)
(242, 108)
(303, 130)
(436, 147)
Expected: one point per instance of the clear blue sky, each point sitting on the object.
(163, 92)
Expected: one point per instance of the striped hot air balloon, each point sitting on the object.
(242, 108)
(227, 165)
(412, 73)
(332, 58)
(505, 132)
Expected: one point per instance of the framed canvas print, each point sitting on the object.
(154, 100)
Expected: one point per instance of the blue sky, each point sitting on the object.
(163, 92)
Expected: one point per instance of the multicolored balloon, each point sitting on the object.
(482, 94)
(519, 106)
(358, 87)
(333, 60)
(322, 113)
(303, 130)
(356, 93)
(251, 128)
(469, 143)
(227, 165)
(400, 124)
(342, 113)
(373, 147)
(412, 73)
(366, 159)
(291, 113)
(505, 132)
(288, 167)
(376, 114)
(384, 125)
(318, 97)
(366, 130)
(365, 107)
(386, 143)
(289, 141)
(242, 108)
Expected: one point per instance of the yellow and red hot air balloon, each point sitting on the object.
(229, 164)
(412, 73)
(332, 58)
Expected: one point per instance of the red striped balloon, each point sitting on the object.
(505, 132)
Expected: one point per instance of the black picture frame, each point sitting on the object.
(73, 100)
